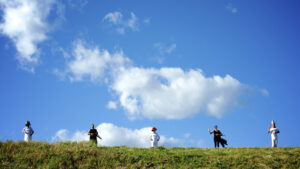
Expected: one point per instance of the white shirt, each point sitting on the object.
(154, 137)
(28, 130)
(28, 133)
(274, 132)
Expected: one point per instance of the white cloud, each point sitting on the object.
(165, 49)
(132, 22)
(171, 48)
(231, 8)
(91, 62)
(113, 135)
(116, 18)
(165, 93)
(24, 22)
(172, 93)
(63, 135)
(78, 4)
(112, 105)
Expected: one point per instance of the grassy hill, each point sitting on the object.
(85, 155)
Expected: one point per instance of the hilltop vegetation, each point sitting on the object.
(86, 155)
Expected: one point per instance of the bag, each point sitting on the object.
(223, 141)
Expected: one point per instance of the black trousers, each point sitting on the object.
(217, 141)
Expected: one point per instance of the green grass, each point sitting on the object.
(85, 155)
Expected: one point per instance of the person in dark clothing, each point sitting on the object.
(217, 137)
(93, 134)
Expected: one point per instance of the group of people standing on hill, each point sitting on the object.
(154, 137)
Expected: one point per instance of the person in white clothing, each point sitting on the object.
(28, 132)
(154, 138)
(274, 131)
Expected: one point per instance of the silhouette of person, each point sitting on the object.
(93, 133)
(28, 132)
(217, 136)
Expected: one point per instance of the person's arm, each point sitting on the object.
(89, 132)
(210, 132)
(23, 130)
(150, 138)
(158, 138)
(269, 129)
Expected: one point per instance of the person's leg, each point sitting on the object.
(218, 141)
(215, 141)
(26, 138)
(222, 142)
(93, 141)
(273, 142)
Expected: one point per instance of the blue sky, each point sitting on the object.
(129, 65)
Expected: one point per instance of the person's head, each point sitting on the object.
(27, 123)
(216, 127)
(92, 126)
(273, 124)
(154, 129)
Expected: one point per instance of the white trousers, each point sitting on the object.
(27, 137)
(154, 143)
(274, 141)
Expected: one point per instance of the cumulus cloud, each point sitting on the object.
(113, 135)
(154, 93)
(64, 135)
(61, 135)
(116, 19)
(24, 22)
(172, 93)
(91, 62)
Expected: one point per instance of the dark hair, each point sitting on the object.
(27, 123)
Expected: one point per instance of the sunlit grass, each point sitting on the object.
(86, 155)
